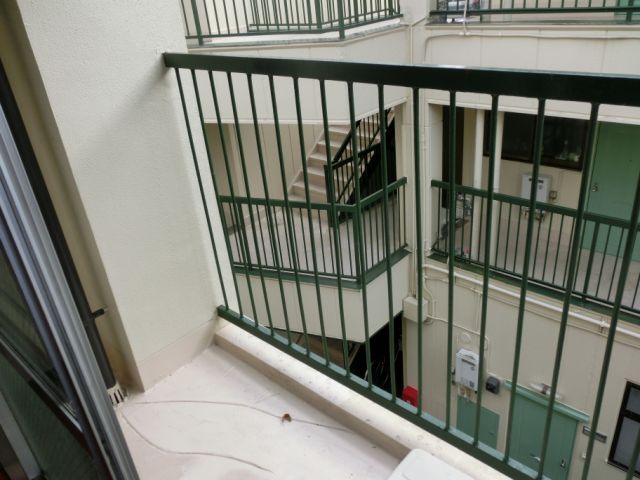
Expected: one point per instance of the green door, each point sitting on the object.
(616, 166)
(489, 422)
(528, 429)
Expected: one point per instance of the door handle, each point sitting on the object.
(595, 187)
(563, 463)
(537, 459)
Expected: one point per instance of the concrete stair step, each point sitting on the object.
(317, 193)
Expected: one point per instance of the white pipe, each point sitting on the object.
(534, 301)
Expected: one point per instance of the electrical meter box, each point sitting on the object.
(467, 369)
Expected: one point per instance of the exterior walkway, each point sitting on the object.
(218, 418)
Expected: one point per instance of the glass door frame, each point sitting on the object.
(40, 276)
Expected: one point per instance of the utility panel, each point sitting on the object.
(467, 369)
(544, 187)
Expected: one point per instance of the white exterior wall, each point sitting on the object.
(114, 111)
(582, 48)
(388, 46)
(377, 304)
(580, 370)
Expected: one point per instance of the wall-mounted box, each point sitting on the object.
(467, 369)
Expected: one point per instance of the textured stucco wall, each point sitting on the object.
(121, 129)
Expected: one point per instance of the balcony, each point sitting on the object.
(598, 263)
(585, 11)
(317, 276)
(208, 20)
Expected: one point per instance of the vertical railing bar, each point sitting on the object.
(615, 263)
(235, 15)
(184, 15)
(270, 220)
(555, 265)
(473, 213)
(247, 190)
(284, 212)
(486, 267)
(535, 252)
(480, 236)
(215, 189)
(288, 213)
(387, 244)
(358, 233)
(546, 250)
(304, 240)
(305, 175)
(566, 264)
(584, 234)
(244, 9)
(537, 154)
(226, 16)
(200, 187)
(515, 252)
(587, 277)
(351, 257)
(418, 234)
(324, 262)
(235, 235)
(452, 248)
(495, 261)
(196, 19)
(264, 248)
(506, 251)
(584, 184)
(464, 198)
(438, 220)
(206, 13)
(274, 214)
(244, 252)
(215, 13)
(604, 257)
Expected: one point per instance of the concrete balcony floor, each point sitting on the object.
(218, 418)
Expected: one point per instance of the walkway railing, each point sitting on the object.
(601, 245)
(208, 19)
(283, 84)
(587, 10)
(284, 252)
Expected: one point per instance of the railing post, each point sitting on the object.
(196, 19)
(341, 18)
(318, 14)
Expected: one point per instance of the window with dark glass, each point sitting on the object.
(563, 144)
(627, 429)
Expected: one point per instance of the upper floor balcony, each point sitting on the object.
(535, 11)
(206, 21)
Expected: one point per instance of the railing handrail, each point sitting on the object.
(613, 89)
(343, 207)
(463, 8)
(548, 207)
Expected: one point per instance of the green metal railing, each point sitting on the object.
(208, 19)
(601, 245)
(274, 247)
(340, 169)
(600, 10)
(207, 76)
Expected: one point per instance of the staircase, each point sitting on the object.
(316, 162)
(367, 135)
